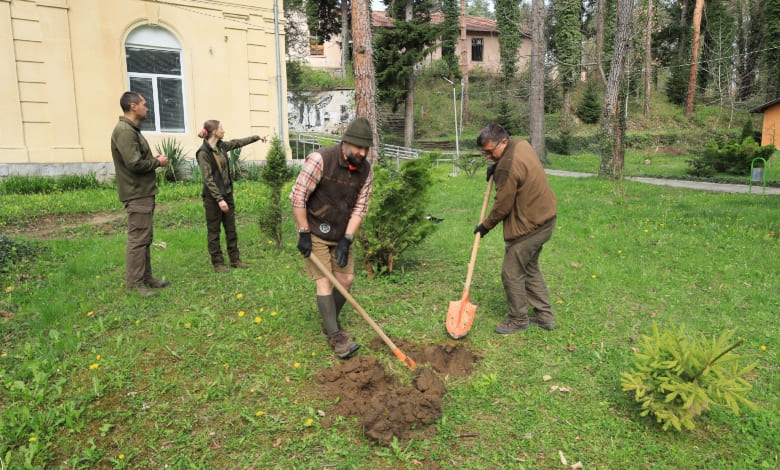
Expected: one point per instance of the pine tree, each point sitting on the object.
(508, 23)
(568, 46)
(590, 107)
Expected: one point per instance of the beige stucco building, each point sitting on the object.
(65, 63)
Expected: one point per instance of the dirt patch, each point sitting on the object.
(60, 226)
(361, 387)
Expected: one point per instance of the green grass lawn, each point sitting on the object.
(217, 372)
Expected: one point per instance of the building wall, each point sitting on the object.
(770, 130)
(66, 71)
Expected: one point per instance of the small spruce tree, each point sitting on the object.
(590, 107)
(275, 174)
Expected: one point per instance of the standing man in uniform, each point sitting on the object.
(330, 199)
(137, 185)
(526, 205)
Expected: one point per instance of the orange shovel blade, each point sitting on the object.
(460, 316)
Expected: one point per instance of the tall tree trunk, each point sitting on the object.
(648, 55)
(600, 39)
(612, 127)
(365, 76)
(538, 43)
(344, 37)
(464, 61)
(697, 11)
(409, 102)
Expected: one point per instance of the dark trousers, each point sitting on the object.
(140, 232)
(523, 281)
(215, 220)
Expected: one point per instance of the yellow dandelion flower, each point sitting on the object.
(4, 355)
(270, 242)
(313, 353)
(258, 319)
(559, 301)
(121, 456)
(241, 313)
(262, 309)
(94, 366)
(97, 277)
(308, 422)
(90, 313)
(259, 337)
(620, 251)
(287, 266)
(571, 334)
(116, 318)
(239, 295)
(138, 322)
(297, 364)
(187, 325)
(763, 347)
(9, 288)
(273, 314)
(593, 276)
(646, 230)
(226, 365)
(260, 413)
(33, 439)
(97, 357)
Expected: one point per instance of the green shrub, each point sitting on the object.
(676, 377)
(12, 252)
(237, 166)
(46, 185)
(470, 164)
(731, 157)
(177, 159)
(396, 217)
(275, 174)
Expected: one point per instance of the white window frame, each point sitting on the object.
(157, 39)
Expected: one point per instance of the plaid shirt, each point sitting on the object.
(310, 176)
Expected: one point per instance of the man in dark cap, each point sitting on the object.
(330, 199)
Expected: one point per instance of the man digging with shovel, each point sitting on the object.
(526, 205)
(330, 199)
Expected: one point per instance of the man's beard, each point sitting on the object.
(353, 161)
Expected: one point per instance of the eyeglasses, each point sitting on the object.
(491, 152)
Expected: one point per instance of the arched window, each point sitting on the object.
(154, 70)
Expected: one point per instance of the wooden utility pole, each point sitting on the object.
(365, 76)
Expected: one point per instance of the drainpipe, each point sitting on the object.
(279, 89)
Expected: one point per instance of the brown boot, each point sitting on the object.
(221, 268)
(142, 291)
(157, 284)
(239, 264)
(342, 346)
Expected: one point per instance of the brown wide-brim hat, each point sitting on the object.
(359, 133)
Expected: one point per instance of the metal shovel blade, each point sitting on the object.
(460, 316)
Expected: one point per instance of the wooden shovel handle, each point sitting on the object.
(477, 236)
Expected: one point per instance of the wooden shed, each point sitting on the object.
(770, 130)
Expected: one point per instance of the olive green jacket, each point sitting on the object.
(133, 162)
(217, 178)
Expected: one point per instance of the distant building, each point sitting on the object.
(770, 130)
(481, 45)
(67, 62)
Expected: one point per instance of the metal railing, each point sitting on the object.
(304, 143)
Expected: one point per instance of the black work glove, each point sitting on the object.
(342, 252)
(304, 243)
(490, 170)
(481, 230)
